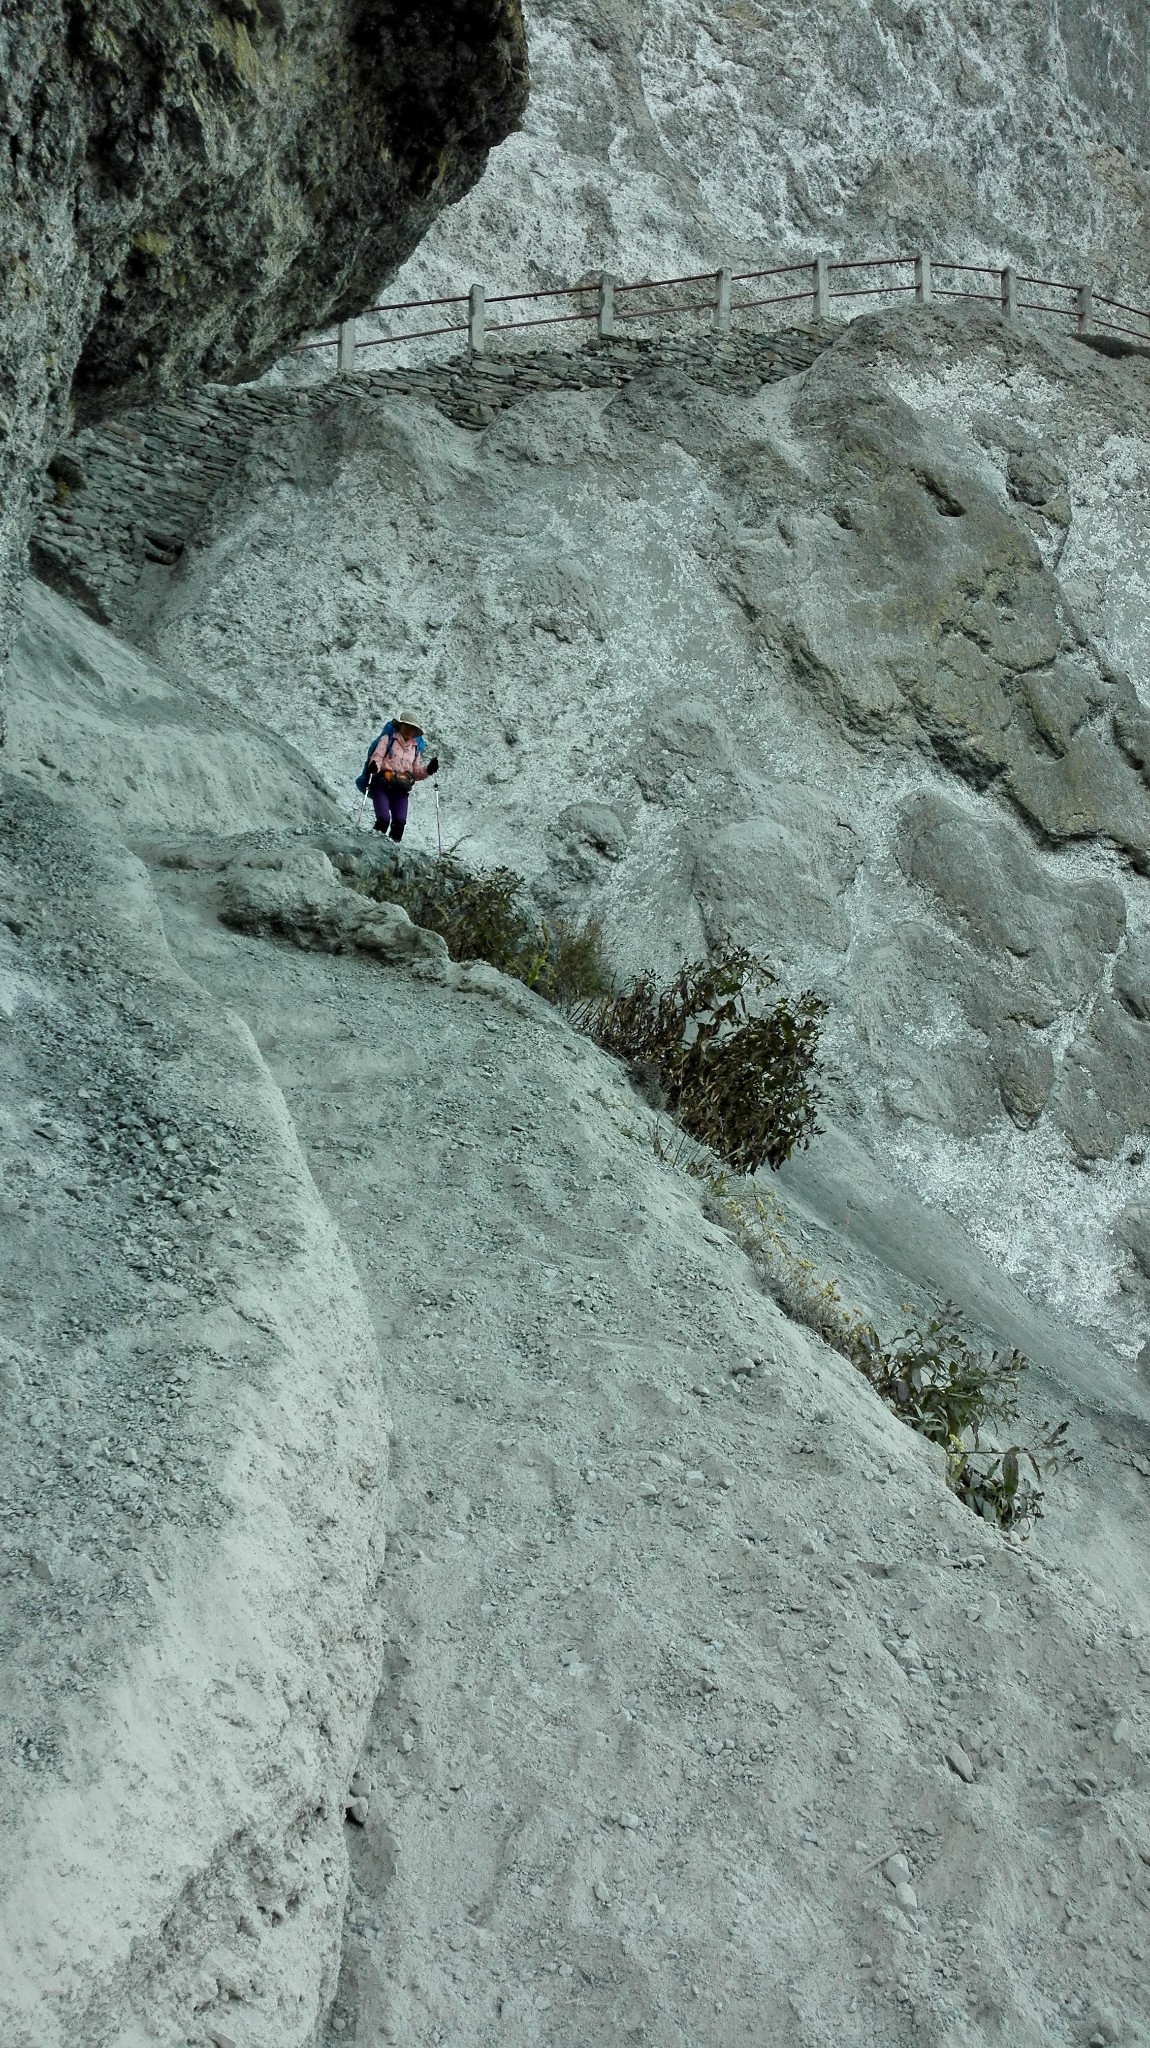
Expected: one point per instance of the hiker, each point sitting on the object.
(395, 762)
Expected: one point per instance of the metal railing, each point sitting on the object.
(606, 301)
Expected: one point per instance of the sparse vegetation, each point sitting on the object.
(931, 1377)
(737, 1075)
(485, 917)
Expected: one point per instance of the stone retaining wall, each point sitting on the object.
(122, 501)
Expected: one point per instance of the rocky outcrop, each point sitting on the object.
(193, 1435)
(130, 495)
(298, 897)
(184, 187)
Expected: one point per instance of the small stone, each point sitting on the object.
(906, 1897)
(407, 1742)
(220, 2039)
(896, 1870)
(602, 1894)
(628, 1820)
(357, 1810)
(960, 1763)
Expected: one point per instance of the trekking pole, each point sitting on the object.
(357, 814)
(438, 825)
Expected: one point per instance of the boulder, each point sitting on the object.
(297, 895)
(992, 890)
(1132, 980)
(1025, 1077)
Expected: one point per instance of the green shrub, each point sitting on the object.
(484, 917)
(936, 1381)
(740, 1078)
(931, 1377)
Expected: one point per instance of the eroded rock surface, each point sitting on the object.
(186, 188)
(683, 1684)
(759, 637)
(193, 1447)
(662, 139)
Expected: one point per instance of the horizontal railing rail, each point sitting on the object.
(605, 301)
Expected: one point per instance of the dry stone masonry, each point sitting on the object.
(130, 495)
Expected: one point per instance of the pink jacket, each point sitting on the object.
(403, 763)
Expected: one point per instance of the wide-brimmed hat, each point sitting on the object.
(409, 718)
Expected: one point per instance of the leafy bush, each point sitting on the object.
(936, 1381)
(484, 917)
(931, 1377)
(738, 1077)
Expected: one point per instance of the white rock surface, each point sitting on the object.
(660, 139)
(652, 1717)
(628, 1758)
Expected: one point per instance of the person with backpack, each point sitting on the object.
(395, 763)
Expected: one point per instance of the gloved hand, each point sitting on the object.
(433, 765)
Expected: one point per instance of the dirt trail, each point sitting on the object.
(669, 1675)
(665, 1681)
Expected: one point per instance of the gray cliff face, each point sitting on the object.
(828, 639)
(665, 135)
(184, 188)
(445, 1590)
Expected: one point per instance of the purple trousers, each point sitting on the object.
(390, 802)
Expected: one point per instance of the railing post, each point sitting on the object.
(923, 282)
(606, 305)
(476, 319)
(722, 317)
(820, 288)
(1010, 293)
(1085, 308)
(346, 354)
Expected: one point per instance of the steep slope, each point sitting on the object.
(638, 1682)
(680, 1625)
(194, 1440)
(679, 1643)
(832, 659)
